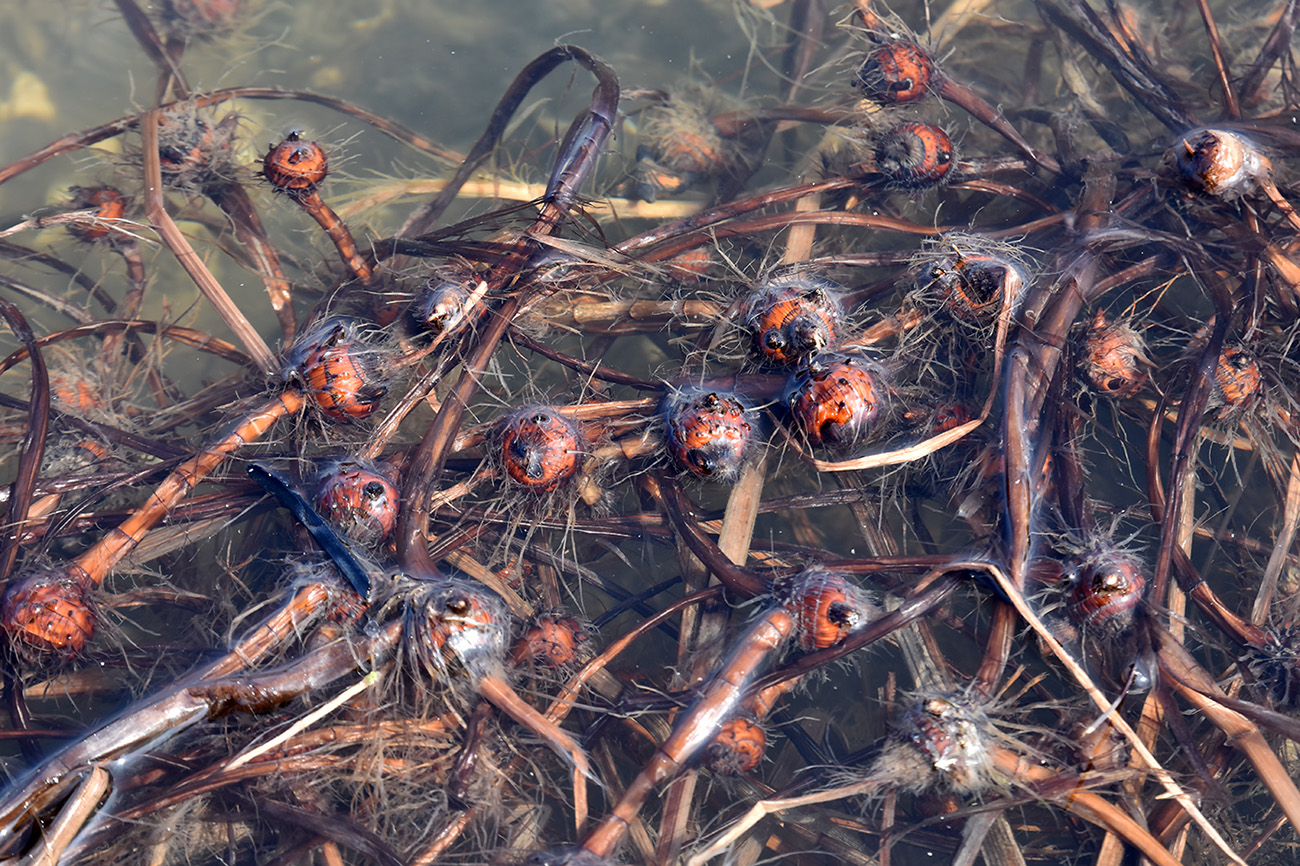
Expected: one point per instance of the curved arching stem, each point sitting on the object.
(33, 447)
(577, 158)
(577, 153)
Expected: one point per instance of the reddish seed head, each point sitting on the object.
(295, 166)
(709, 434)
(109, 204)
(1115, 359)
(1220, 163)
(73, 393)
(192, 149)
(971, 286)
(554, 640)
(338, 371)
(342, 381)
(539, 448)
(946, 733)
(208, 17)
(836, 400)
(792, 320)
(91, 451)
(1237, 379)
(737, 748)
(895, 72)
(827, 608)
(653, 180)
(358, 498)
(915, 155)
(441, 304)
(681, 147)
(690, 266)
(1105, 593)
(457, 628)
(948, 417)
(689, 144)
(48, 611)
